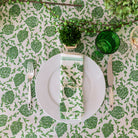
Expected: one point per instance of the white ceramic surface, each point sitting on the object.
(48, 88)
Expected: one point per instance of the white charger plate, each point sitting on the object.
(48, 88)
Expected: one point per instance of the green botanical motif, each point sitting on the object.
(60, 129)
(8, 97)
(123, 136)
(76, 136)
(118, 66)
(36, 45)
(134, 123)
(62, 115)
(31, 135)
(50, 31)
(22, 35)
(12, 52)
(19, 79)
(97, 56)
(79, 2)
(80, 67)
(98, 12)
(69, 92)
(14, 10)
(57, 11)
(63, 107)
(37, 6)
(30, 60)
(28, 30)
(25, 111)
(117, 112)
(134, 75)
(123, 47)
(3, 120)
(107, 129)
(55, 51)
(122, 91)
(5, 72)
(16, 127)
(113, 21)
(91, 122)
(46, 122)
(32, 21)
(8, 29)
(80, 48)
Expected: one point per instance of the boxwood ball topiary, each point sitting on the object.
(69, 34)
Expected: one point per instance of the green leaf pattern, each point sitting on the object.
(27, 32)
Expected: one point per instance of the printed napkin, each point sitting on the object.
(71, 80)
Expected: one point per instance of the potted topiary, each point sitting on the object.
(69, 35)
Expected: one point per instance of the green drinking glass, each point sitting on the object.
(107, 42)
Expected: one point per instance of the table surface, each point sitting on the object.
(27, 33)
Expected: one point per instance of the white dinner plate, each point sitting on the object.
(48, 88)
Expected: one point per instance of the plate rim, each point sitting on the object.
(38, 100)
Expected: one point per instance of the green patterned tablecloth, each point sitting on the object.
(27, 32)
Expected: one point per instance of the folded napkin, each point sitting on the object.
(71, 80)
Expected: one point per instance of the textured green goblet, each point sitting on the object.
(107, 42)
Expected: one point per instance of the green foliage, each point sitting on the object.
(63, 107)
(46, 122)
(55, 51)
(32, 21)
(122, 91)
(12, 52)
(79, 48)
(57, 11)
(5, 72)
(36, 45)
(19, 79)
(16, 126)
(14, 10)
(31, 135)
(60, 129)
(134, 75)
(117, 112)
(8, 97)
(50, 31)
(123, 47)
(8, 29)
(69, 34)
(118, 66)
(97, 56)
(69, 92)
(91, 122)
(38, 6)
(122, 8)
(3, 120)
(22, 35)
(107, 129)
(134, 123)
(98, 12)
(24, 110)
(79, 2)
